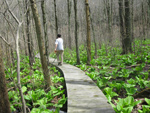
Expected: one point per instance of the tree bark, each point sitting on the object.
(88, 33)
(56, 23)
(30, 46)
(4, 101)
(95, 43)
(127, 40)
(143, 21)
(24, 39)
(41, 44)
(122, 25)
(8, 53)
(18, 70)
(69, 14)
(108, 8)
(148, 13)
(76, 32)
(148, 18)
(132, 27)
(45, 30)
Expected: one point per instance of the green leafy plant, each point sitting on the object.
(130, 89)
(124, 73)
(61, 102)
(146, 108)
(116, 86)
(131, 81)
(37, 110)
(140, 82)
(14, 100)
(101, 82)
(93, 75)
(55, 79)
(110, 93)
(125, 105)
(33, 91)
(34, 95)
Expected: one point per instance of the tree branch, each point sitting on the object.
(5, 40)
(16, 19)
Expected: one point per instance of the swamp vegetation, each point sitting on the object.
(124, 79)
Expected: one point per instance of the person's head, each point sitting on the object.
(59, 35)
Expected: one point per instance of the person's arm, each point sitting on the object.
(56, 46)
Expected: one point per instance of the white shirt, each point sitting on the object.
(59, 42)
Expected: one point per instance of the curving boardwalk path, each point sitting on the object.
(82, 93)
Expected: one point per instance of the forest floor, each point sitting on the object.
(141, 94)
(33, 87)
(121, 77)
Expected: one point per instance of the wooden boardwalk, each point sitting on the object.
(82, 93)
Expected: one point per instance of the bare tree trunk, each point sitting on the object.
(69, 14)
(112, 14)
(24, 39)
(12, 57)
(30, 46)
(122, 25)
(41, 44)
(103, 26)
(56, 24)
(88, 33)
(18, 58)
(148, 12)
(18, 69)
(143, 21)
(108, 8)
(76, 32)
(8, 53)
(148, 18)
(45, 30)
(132, 21)
(4, 101)
(128, 41)
(95, 43)
(100, 27)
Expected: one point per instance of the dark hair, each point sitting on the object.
(59, 35)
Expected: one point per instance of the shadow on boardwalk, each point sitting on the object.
(87, 82)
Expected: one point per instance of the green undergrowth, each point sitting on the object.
(38, 99)
(124, 79)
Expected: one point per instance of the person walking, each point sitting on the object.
(59, 49)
